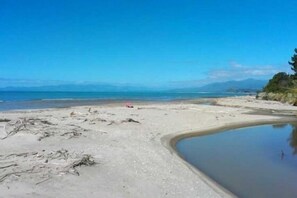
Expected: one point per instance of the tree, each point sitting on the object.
(293, 139)
(279, 83)
(294, 62)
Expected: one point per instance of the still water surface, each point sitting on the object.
(256, 161)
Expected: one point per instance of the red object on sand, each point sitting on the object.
(129, 105)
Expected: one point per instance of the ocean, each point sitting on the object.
(17, 100)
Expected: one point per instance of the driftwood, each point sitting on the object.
(5, 120)
(124, 121)
(2, 178)
(7, 166)
(86, 160)
(42, 166)
(72, 134)
(111, 123)
(43, 180)
(46, 122)
(22, 124)
(60, 154)
(130, 120)
(99, 119)
(19, 125)
(20, 154)
(42, 128)
(44, 135)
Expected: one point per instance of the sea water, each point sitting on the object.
(10, 100)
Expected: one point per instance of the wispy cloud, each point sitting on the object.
(234, 71)
(6, 82)
(237, 71)
(236, 65)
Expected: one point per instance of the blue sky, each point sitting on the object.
(147, 42)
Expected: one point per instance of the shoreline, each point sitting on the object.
(43, 104)
(133, 159)
(116, 103)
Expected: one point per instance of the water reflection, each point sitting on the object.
(293, 139)
(248, 161)
(279, 126)
(282, 155)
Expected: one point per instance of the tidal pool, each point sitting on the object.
(258, 161)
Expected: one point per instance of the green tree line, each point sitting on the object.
(283, 82)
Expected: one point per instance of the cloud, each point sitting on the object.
(237, 71)
(6, 82)
(233, 71)
(236, 65)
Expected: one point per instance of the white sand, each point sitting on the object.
(132, 161)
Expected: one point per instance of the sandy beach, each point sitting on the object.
(114, 151)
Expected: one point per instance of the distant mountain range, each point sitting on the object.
(79, 88)
(248, 85)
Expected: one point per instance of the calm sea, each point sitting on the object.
(13, 100)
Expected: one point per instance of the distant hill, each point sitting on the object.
(248, 85)
(79, 88)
